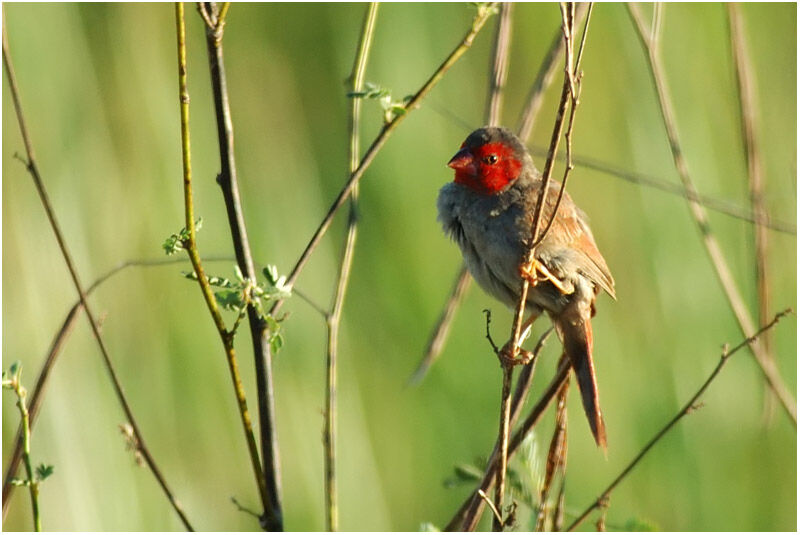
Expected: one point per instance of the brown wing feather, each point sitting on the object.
(571, 229)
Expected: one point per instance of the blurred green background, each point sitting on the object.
(99, 89)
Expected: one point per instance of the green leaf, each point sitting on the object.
(276, 343)
(43, 471)
(271, 274)
(230, 300)
(428, 527)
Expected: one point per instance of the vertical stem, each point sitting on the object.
(329, 430)
(229, 184)
(749, 112)
(502, 465)
(32, 483)
(194, 256)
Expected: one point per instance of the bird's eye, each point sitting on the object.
(490, 160)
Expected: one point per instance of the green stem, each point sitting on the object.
(194, 256)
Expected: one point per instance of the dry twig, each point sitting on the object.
(686, 409)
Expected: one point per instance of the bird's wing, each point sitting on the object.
(571, 230)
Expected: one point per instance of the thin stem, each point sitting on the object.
(568, 90)
(442, 329)
(497, 81)
(502, 465)
(484, 12)
(755, 175)
(329, 431)
(721, 206)
(556, 458)
(721, 268)
(466, 518)
(31, 482)
(544, 78)
(686, 409)
(33, 170)
(575, 76)
(194, 256)
(37, 394)
(259, 335)
(499, 74)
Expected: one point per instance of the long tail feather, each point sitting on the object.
(576, 335)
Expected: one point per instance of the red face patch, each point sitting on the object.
(495, 167)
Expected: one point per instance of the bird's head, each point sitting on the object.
(490, 159)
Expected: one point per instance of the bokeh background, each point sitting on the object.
(99, 89)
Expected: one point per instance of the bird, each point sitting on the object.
(488, 211)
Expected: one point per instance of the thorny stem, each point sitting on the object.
(194, 256)
(747, 103)
(685, 410)
(768, 368)
(259, 332)
(33, 170)
(334, 317)
(484, 12)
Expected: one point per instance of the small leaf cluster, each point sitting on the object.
(177, 242)
(391, 108)
(239, 293)
(12, 380)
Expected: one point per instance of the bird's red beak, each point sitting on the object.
(463, 162)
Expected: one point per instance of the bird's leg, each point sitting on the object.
(537, 272)
(510, 355)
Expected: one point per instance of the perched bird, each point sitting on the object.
(488, 211)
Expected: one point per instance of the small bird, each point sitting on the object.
(488, 211)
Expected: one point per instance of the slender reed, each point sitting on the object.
(768, 368)
(334, 317)
(33, 170)
(755, 174)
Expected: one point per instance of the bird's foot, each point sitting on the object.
(536, 272)
(511, 356)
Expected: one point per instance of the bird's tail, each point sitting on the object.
(575, 331)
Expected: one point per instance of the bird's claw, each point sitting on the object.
(511, 356)
(536, 272)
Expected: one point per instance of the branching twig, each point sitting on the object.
(542, 82)
(569, 92)
(14, 383)
(329, 429)
(768, 368)
(191, 248)
(229, 184)
(749, 110)
(466, 518)
(33, 169)
(484, 12)
(692, 403)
